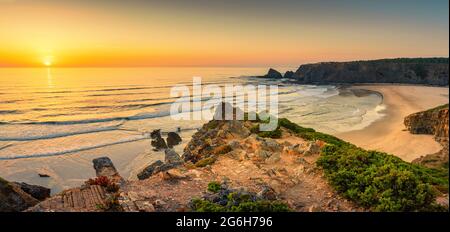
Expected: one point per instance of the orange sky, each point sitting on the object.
(147, 33)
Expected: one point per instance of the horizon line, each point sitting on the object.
(218, 66)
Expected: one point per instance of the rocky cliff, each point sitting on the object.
(428, 71)
(15, 197)
(434, 122)
(231, 165)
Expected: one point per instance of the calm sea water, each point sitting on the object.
(49, 115)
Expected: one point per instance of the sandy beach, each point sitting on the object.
(388, 134)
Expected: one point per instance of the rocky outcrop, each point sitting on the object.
(272, 73)
(289, 74)
(428, 71)
(38, 192)
(172, 160)
(434, 122)
(171, 157)
(104, 167)
(13, 198)
(157, 141)
(173, 139)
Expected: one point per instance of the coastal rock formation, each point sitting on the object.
(173, 139)
(289, 74)
(38, 192)
(272, 73)
(171, 157)
(434, 122)
(172, 160)
(231, 166)
(157, 141)
(13, 198)
(149, 170)
(429, 71)
(104, 167)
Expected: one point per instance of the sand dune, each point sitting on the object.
(388, 134)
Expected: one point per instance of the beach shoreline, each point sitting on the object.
(388, 134)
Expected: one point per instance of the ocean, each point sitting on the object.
(56, 120)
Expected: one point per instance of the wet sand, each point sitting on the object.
(389, 134)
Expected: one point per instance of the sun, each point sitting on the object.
(48, 61)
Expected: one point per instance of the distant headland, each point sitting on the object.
(426, 71)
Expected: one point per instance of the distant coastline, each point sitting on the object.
(423, 71)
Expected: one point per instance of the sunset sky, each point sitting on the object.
(87, 33)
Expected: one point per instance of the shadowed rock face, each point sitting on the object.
(289, 74)
(36, 191)
(429, 71)
(434, 122)
(13, 198)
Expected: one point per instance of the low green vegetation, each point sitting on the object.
(199, 205)
(228, 200)
(309, 133)
(437, 108)
(303, 132)
(375, 180)
(239, 203)
(380, 181)
(214, 187)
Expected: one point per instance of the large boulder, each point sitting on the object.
(13, 198)
(36, 191)
(104, 167)
(173, 139)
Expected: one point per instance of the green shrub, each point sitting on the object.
(214, 187)
(375, 180)
(199, 205)
(380, 181)
(309, 133)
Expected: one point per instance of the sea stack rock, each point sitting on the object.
(173, 139)
(157, 141)
(289, 74)
(273, 74)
